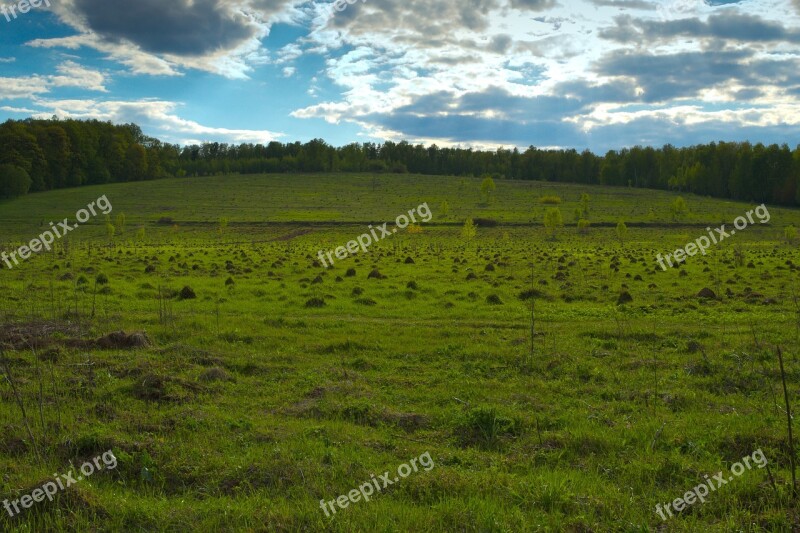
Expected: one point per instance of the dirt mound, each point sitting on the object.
(215, 374)
(118, 340)
(376, 274)
(35, 334)
(121, 340)
(47, 335)
(706, 293)
(187, 293)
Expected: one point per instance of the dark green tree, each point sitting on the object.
(14, 181)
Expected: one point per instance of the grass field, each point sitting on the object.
(267, 383)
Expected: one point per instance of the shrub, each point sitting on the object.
(790, 233)
(377, 166)
(484, 427)
(622, 231)
(584, 204)
(468, 232)
(553, 220)
(399, 168)
(550, 200)
(487, 188)
(679, 209)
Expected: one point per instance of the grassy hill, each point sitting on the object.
(557, 384)
(357, 198)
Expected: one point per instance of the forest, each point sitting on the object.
(40, 155)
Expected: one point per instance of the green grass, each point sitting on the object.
(250, 407)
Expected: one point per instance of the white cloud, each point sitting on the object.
(70, 74)
(156, 116)
(25, 87)
(386, 55)
(19, 110)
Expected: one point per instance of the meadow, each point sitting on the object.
(559, 382)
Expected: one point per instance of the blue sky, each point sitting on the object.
(596, 74)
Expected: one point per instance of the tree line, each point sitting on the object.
(41, 155)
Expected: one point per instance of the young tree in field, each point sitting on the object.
(578, 214)
(679, 209)
(223, 224)
(622, 231)
(487, 189)
(444, 208)
(790, 234)
(585, 205)
(110, 230)
(469, 231)
(583, 226)
(120, 220)
(553, 220)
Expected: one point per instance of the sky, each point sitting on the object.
(596, 74)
